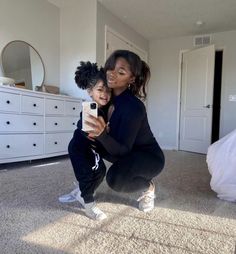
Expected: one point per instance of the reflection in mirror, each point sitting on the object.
(23, 63)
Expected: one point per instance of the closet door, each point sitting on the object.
(115, 41)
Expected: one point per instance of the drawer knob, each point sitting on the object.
(34, 123)
(8, 102)
(8, 146)
(34, 144)
(55, 106)
(55, 123)
(34, 104)
(73, 108)
(73, 123)
(8, 122)
(55, 142)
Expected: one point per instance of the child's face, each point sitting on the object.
(100, 93)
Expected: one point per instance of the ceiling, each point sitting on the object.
(157, 19)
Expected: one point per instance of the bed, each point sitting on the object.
(221, 161)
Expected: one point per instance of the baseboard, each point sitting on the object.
(169, 148)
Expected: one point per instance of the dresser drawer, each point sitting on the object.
(9, 102)
(21, 123)
(13, 146)
(72, 108)
(71, 123)
(55, 123)
(32, 105)
(57, 142)
(54, 107)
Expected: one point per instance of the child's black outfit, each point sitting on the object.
(89, 169)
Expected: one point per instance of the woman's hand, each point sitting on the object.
(97, 124)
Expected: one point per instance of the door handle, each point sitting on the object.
(207, 106)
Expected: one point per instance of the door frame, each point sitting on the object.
(180, 89)
(223, 49)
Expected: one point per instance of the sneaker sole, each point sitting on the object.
(67, 201)
(99, 218)
(146, 209)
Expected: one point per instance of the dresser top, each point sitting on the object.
(35, 93)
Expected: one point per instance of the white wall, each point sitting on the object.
(78, 41)
(104, 17)
(63, 37)
(163, 93)
(36, 22)
(228, 108)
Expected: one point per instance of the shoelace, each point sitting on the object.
(75, 191)
(96, 210)
(97, 159)
(76, 184)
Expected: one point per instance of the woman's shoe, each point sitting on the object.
(146, 200)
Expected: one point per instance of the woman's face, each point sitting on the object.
(100, 93)
(119, 78)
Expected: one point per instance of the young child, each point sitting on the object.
(89, 169)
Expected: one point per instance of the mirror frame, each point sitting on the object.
(29, 46)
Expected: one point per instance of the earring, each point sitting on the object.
(130, 84)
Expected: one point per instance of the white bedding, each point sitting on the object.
(221, 160)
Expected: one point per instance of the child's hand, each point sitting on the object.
(97, 124)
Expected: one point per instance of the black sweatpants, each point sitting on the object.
(83, 161)
(134, 171)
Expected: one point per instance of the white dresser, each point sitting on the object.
(35, 125)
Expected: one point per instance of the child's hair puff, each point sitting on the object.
(88, 74)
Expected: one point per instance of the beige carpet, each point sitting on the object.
(188, 218)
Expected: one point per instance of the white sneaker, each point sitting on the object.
(73, 196)
(146, 201)
(93, 212)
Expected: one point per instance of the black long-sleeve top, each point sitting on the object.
(129, 128)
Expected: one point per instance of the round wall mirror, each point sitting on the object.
(21, 62)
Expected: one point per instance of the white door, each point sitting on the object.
(114, 42)
(196, 99)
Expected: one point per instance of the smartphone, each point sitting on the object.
(88, 108)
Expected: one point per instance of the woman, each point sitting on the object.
(127, 139)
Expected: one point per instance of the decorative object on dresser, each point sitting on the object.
(48, 89)
(7, 81)
(35, 125)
